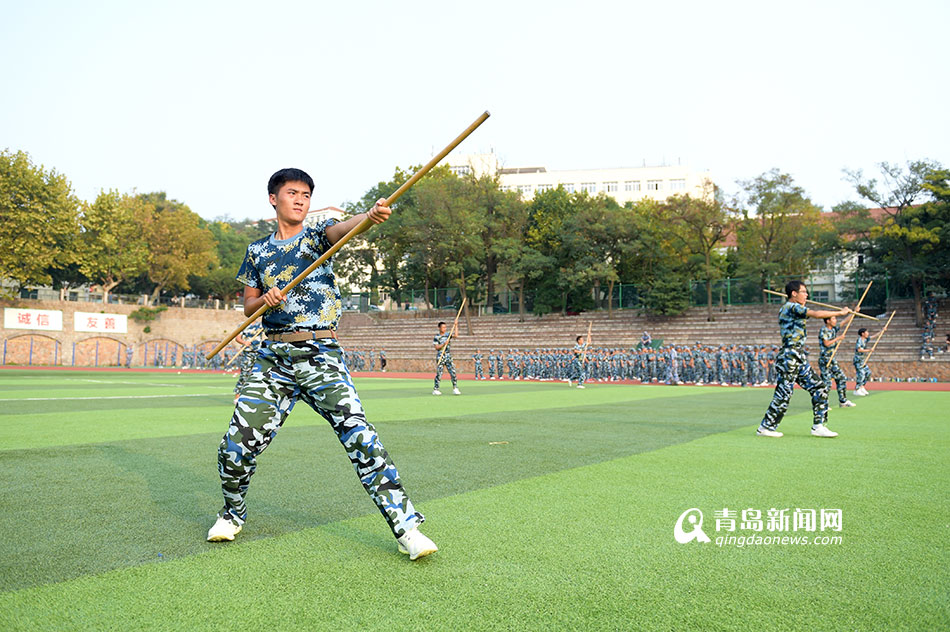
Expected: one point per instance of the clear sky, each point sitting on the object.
(204, 100)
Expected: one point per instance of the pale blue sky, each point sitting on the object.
(204, 100)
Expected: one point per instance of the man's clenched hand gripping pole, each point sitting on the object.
(359, 228)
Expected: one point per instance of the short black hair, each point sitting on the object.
(288, 175)
(862, 330)
(793, 286)
(441, 322)
(578, 339)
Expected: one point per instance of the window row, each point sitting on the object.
(603, 187)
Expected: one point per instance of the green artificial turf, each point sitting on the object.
(553, 509)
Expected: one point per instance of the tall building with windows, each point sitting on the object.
(624, 184)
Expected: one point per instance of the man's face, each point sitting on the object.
(832, 321)
(865, 335)
(442, 328)
(800, 296)
(292, 201)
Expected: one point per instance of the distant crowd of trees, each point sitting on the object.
(567, 251)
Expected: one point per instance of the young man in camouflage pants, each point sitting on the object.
(443, 359)
(793, 366)
(302, 360)
(828, 339)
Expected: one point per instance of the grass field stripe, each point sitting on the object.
(57, 399)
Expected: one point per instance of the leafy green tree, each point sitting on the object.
(40, 221)
(700, 226)
(179, 247)
(778, 233)
(113, 248)
(907, 244)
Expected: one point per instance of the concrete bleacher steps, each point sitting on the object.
(407, 337)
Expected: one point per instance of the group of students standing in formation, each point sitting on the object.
(927, 344)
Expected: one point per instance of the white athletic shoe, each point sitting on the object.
(847, 404)
(580, 386)
(860, 392)
(436, 391)
(765, 432)
(222, 530)
(415, 544)
(822, 431)
(455, 391)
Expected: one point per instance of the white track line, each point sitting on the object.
(54, 399)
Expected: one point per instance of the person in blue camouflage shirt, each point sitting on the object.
(443, 358)
(302, 360)
(578, 373)
(828, 339)
(250, 342)
(479, 371)
(793, 366)
(862, 372)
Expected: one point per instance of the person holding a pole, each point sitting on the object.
(301, 359)
(793, 367)
(862, 373)
(249, 339)
(828, 337)
(443, 359)
(577, 364)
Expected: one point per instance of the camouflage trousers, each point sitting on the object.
(479, 373)
(448, 365)
(312, 371)
(248, 356)
(862, 374)
(577, 371)
(793, 368)
(831, 371)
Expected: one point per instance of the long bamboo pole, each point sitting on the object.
(848, 326)
(880, 335)
(454, 326)
(586, 342)
(356, 230)
(834, 307)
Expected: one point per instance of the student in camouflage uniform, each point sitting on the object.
(862, 373)
(248, 355)
(828, 339)
(302, 360)
(491, 364)
(794, 367)
(477, 357)
(443, 359)
(577, 364)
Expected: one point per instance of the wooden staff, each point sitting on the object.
(356, 230)
(586, 342)
(449, 339)
(236, 355)
(879, 336)
(846, 327)
(822, 305)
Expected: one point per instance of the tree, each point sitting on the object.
(703, 225)
(777, 235)
(40, 221)
(113, 248)
(179, 246)
(903, 245)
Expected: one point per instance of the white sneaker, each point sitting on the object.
(580, 386)
(860, 392)
(415, 544)
(822, 431)
(455, 391)
(436, 391)
(222, 530)
(847, 404)
(765, 432)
